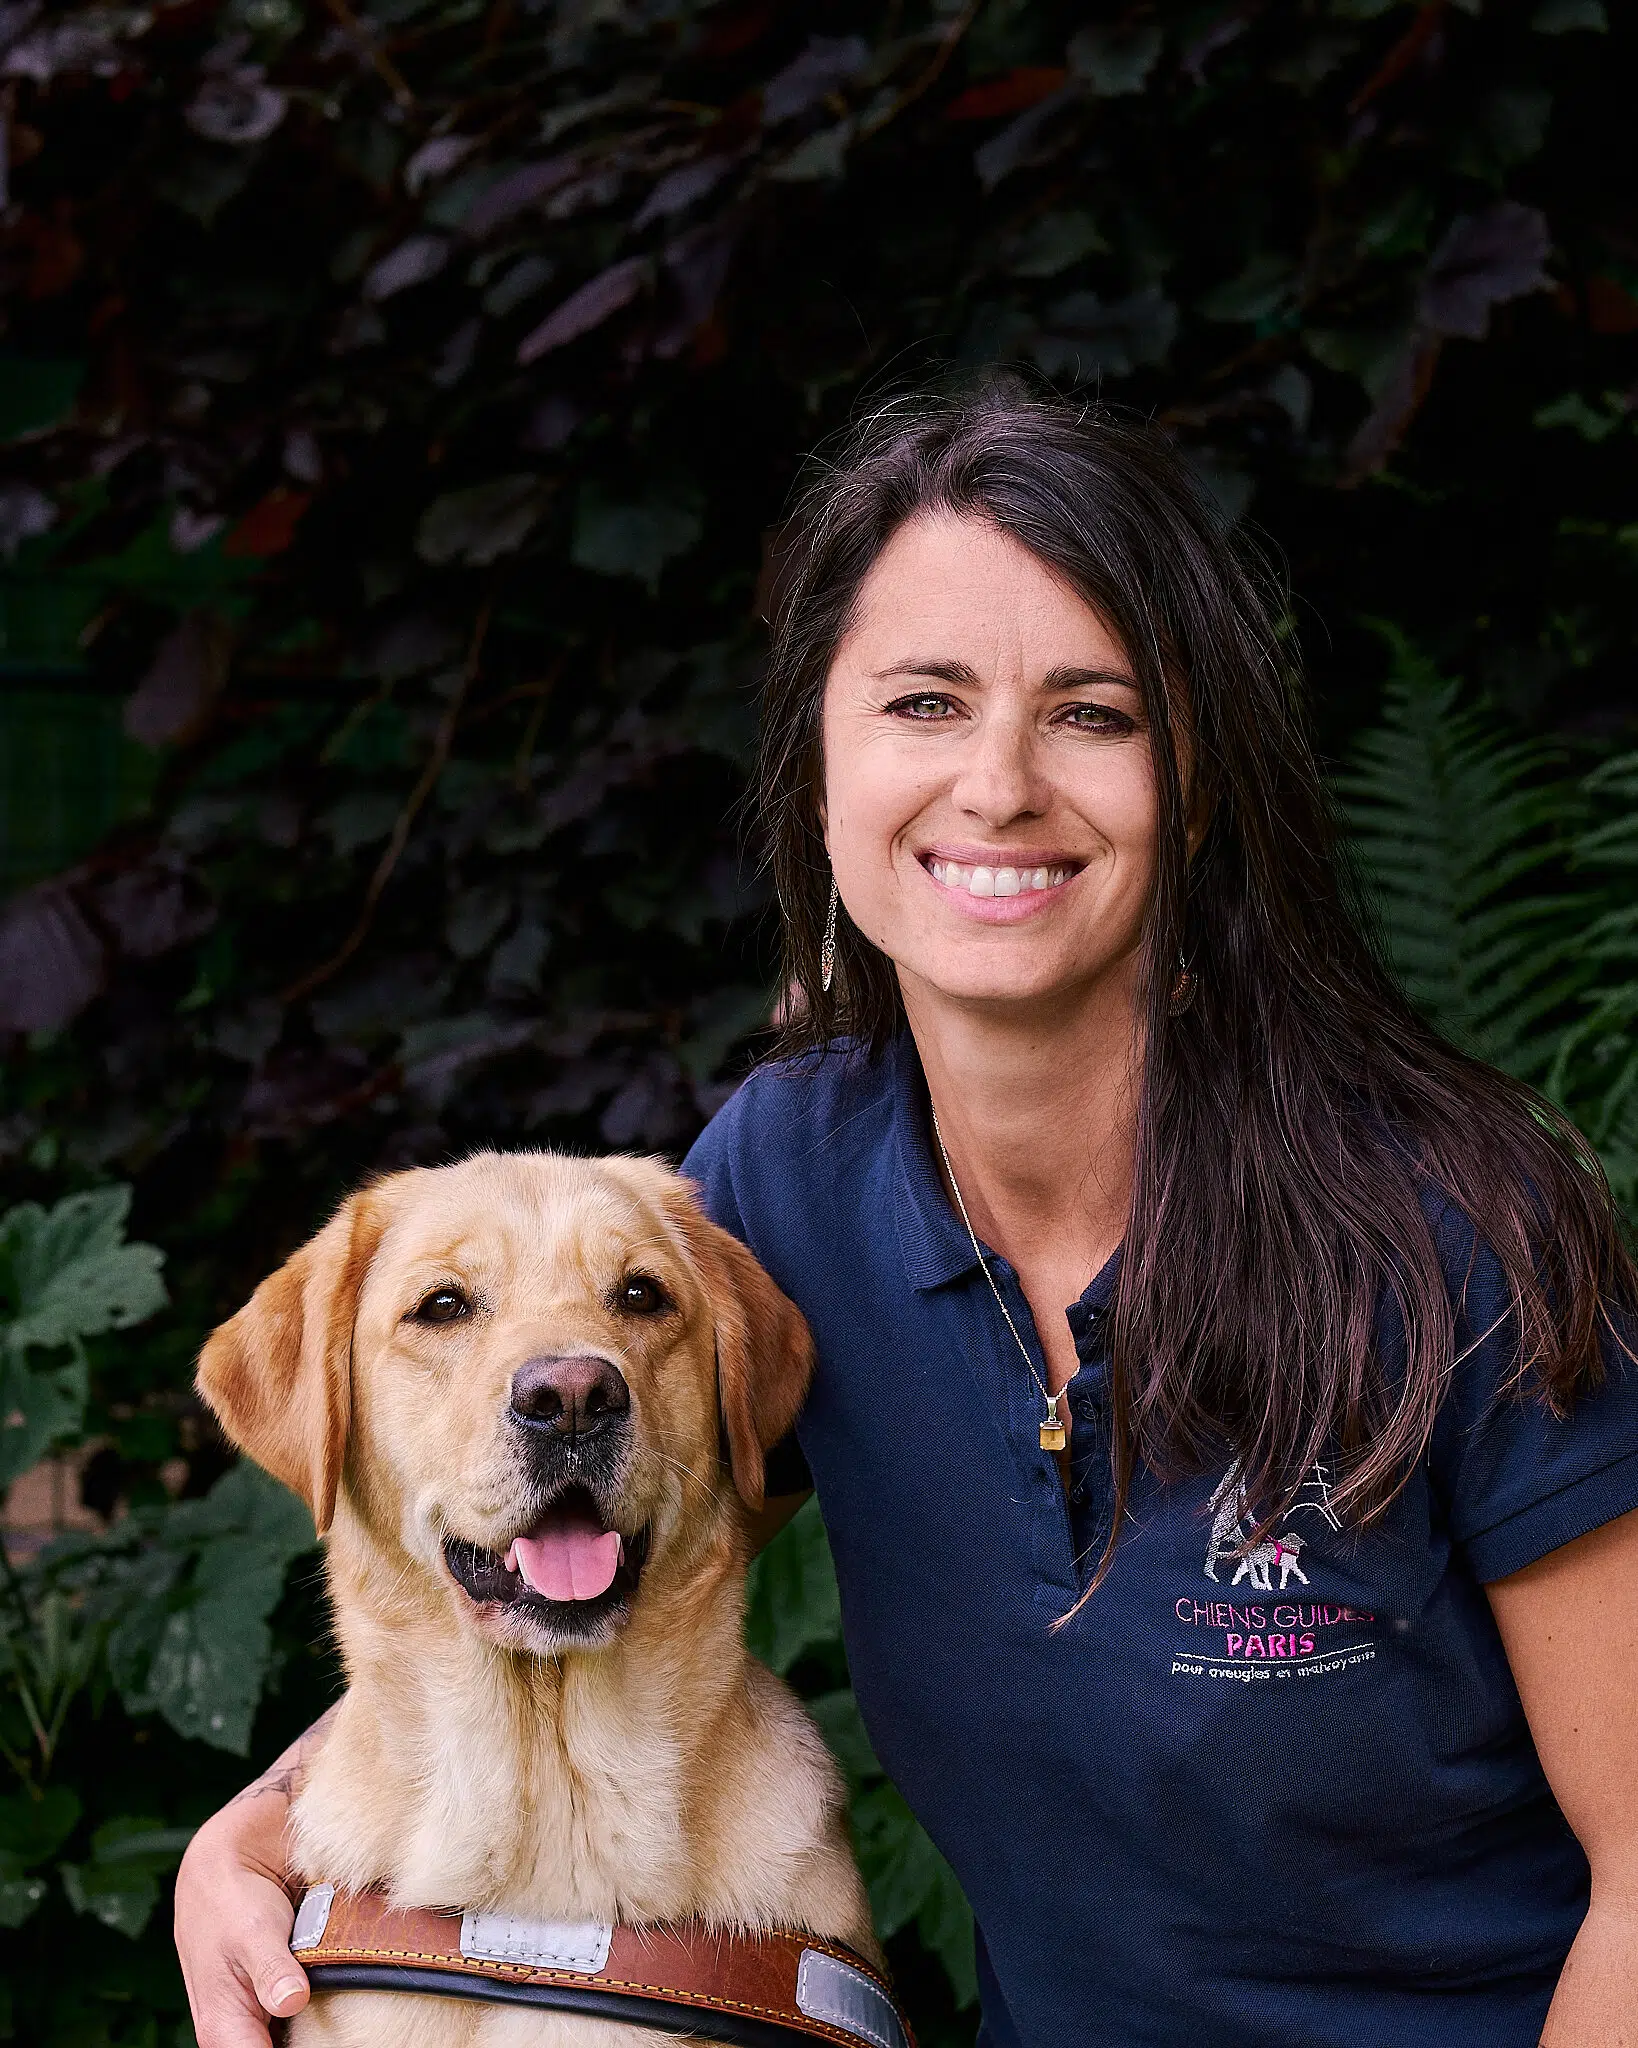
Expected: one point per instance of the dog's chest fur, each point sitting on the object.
(650, 1782)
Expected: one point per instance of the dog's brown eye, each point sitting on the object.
(442, 1305)
(638, 1295)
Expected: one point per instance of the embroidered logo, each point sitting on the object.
(1290, 1638)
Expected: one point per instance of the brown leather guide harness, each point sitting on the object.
(754, 1990)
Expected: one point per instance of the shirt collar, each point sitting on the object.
(935, 1243)
(932, 1236)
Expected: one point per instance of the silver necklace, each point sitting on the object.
(1052, 1428)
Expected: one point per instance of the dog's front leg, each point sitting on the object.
(511, 2027)
(375, 2019)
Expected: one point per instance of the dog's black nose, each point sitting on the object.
(575, 1397)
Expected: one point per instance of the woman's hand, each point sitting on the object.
(233, 1914)
(1571, 1634)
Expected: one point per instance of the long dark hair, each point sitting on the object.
(1294, 1116)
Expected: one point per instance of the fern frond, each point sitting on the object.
(1595, 1071)
(1460, 834)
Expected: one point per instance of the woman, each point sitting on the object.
(1255, 1639)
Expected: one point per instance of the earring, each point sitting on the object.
(827, 951)
(1184, 988)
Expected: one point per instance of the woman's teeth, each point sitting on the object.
(997, 881)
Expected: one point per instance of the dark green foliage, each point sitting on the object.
(398, 405)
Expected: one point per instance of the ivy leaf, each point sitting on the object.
(1115, 61)
(615, 538)
(482, 523)
(1090, 338)
(1265, 287)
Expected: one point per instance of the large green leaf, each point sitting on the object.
(119, 1885)
(39, 1407)
(194, 1642)
(910, 1881)
(65, 1274)
(793, 1606)
(69, 1273)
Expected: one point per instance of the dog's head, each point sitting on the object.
(540, 1377)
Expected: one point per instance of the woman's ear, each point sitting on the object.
(764, 1351)
(278, 1375)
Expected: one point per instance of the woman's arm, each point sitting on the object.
(1570, 1626)
(233, 1913)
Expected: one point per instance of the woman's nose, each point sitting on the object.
(1001, 776)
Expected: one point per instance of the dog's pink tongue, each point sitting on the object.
(571, 1558)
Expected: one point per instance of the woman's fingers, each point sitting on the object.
(233, 1921)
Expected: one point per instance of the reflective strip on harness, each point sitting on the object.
(829, 1989)
(581, 1945)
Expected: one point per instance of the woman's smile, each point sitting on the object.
(1001, 885)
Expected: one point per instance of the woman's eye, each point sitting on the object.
(442, 1305)
(1097, 718)
(638, 1295)
(927, 706)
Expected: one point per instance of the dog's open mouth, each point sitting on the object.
(570, 1563)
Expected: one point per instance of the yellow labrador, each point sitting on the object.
(506, 1389)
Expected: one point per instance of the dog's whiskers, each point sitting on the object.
(688, 1472)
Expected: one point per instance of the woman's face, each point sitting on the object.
(990, 804)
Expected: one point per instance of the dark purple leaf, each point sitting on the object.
(650, 1109)
(410, 646)
(695, 267)
(237, 107)
(436, 159)
(1403, 390)
(187, 673)
(150, 910)
(680, 188)
(1484, 260)
(301, 1090)
(827, 63)
(1036, 136)
(51, 962)
(587, 308)
(25, 514)
(550, 424)
(518, 190)
(413, 262)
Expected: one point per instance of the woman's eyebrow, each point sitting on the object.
(940, 671)
(961, 673)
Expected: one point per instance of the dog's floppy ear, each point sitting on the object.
(278, 1375)
(764, 1352)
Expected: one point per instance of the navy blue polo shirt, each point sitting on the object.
(1275, 1800)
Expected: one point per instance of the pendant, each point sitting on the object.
(1052, 1430)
